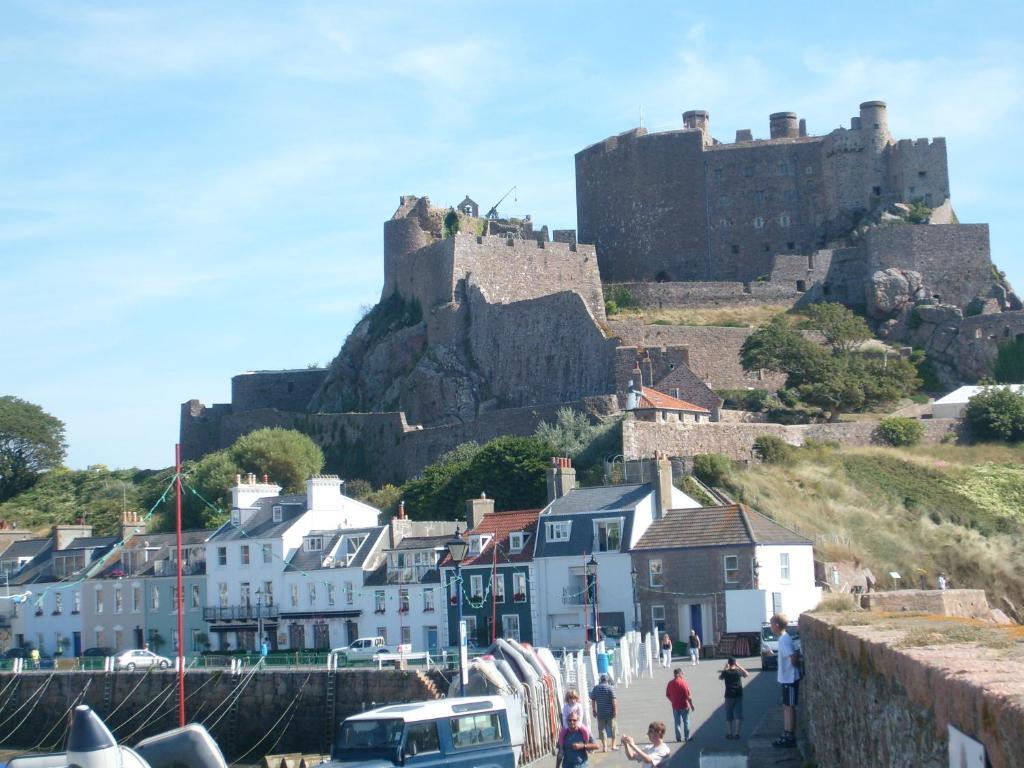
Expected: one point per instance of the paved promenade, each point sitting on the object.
(645, 701)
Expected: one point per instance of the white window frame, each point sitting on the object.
(379, 601)
(519, 587)
(295, 595)
(517, 541)
(222, 593)
(277, 512)
(243, 555)
(222, 555)
(311, 590)
(349, 593)
(784, 567)
(655, 621)
(558, 530)
(507, 620)
(498, 587)
(268, 553)
(197, 598)
(331, 593)
(734, 571)
(604, 523)
(476, 586)
(155, 599)
(429, 601)
(656, 568)
(313, 544)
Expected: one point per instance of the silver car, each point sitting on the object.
(139, 659)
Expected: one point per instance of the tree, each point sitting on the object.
(571, 433)
(31, 443)
(900, 431)
(843, 330)
(996, 413)
(287, 457)
(712, 468)
(1009, 365)
(777, 346)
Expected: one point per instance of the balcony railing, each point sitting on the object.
(412, 574)
(240, 613)
(574, 596)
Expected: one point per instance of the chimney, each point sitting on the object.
(638, 376)
(476, 509)
(323, 493)
(131, 524)
(401, 509)
(561, 478)
(63, 535)
(245, 496)
(648, 368)
(662, 485)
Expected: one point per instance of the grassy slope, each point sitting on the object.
(957, 510)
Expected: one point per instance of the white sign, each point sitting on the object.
(463, 652)
(964, 752)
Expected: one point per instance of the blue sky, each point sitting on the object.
(193, 190)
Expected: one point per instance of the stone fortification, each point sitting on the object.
(869, 702)
(736, 440)
(680, 205)
(284, 390)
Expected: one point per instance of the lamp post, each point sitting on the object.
(259, 620)
(636, 605)
(756, 569)
(592, 571)
(457, 551)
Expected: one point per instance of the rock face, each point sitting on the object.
(894, 290)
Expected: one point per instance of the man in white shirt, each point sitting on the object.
(789, 678)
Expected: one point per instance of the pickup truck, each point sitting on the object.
(363, 649)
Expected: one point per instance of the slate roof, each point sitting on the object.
(260, 524)
(26, 548)
(164, 544)
(730, 525)
(312, 561)
(40, 569)
(421, 542)
(582, 506)
(652, 398)
(91, 542)
(500, 525)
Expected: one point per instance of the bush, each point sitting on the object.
(773, 450)
(712, 468)
(900, 431)
(996, 413)
(1009, 365)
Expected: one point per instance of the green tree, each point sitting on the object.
(843, 330)
(1009, 365)
(996, 413)
(712, 468)
(31, 443)
(773, 450)
(287, 457)
(570, 435)
(900, 431)
(777, 346)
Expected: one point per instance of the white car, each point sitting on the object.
(363, 649)
(140, 659)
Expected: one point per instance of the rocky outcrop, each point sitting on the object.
(891, 291)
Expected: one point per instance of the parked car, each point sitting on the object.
(139, 659)
(363, 649)
(101, 651)
(770, 645)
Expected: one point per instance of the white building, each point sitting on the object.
(953, 405)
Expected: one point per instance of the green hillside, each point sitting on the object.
(958, 510)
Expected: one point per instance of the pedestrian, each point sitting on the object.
(575, 743)
(942, 581)
(678, 693)
(649, 754)
(733, 675)
(695, 646)
(666, 650)
(789, 679)
(264, 648)
(571, 706)
(604, 708)
(34, 655)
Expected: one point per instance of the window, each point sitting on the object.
(759, 222)
(607, 535)
(136, 599)
(422, 735)
(809, 170)
(245, 554)
(330, 594)
(245, 593)
(403, 600)
(58, 602)
(236, 516)
(478, 543)
(922, 174)
(222, 555)
(517, 540)
(510, 625)
(748, 171)
(382, 632)
(476, 586)
(718, 174)
(154, 599)
(174, 599)
(734, 249)
(196, 646)
(196, 599)
(759, 196)
(174, 640)
(732, 568)
(222, 594)
(314, 543)
(657, 577)
(784, 220)
(723, 201)
(76, 602)
(405, 635)
(658, 617)
(99, 601)
(474, 730)
(428, 599)
(519, 587)
(277, 511)
(784, 566)
(311, 588)
(268, 592)
(559, 530)
(268, 553)
(349, 592)
(378, 601)
(499, 587)
(295, 595)
(352, 545)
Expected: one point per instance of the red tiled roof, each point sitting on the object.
(500, 525)
(652, 398)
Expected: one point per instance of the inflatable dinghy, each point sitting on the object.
(92, 745)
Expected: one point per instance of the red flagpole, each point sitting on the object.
(180, 601)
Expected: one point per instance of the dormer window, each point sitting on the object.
(352, 545)
(517, 540)
(559, 530)
(236, 516)
(313, 544)
(477, 543)
(278, 512)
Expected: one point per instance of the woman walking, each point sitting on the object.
(666, 650)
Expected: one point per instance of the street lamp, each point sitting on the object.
(592, 570)
(457, 551)
(259, 619)
(636, 605)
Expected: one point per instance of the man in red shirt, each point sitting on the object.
(678, 692)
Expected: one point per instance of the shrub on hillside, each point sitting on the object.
(773, 450)
(996, 413)
(899, 431)
(712, 468)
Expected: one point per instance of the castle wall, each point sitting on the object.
(919, 170)
(284, 390)
(736, 440)
(714, 352)
(954, 259)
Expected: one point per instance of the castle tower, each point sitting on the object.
(698, 120)
(784, 125)
(874, 121)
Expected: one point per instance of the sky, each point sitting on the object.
(191, 190)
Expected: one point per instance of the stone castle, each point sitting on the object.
(486, 326)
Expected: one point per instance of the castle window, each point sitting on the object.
(922, 174)
(876, 191)
(735, 249)
(748, 171)
(759, 196)
(723, 200)
(759, 222)
(801, 286)
(809, 170)
(785, 169)
(792, 247)
(767, 247)
(784, 220)
(718, 174)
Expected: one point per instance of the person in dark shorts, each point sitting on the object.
(789, 679)
(575, 743)
(732, 676)
(604, 708)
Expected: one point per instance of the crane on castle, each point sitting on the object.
(493, 213)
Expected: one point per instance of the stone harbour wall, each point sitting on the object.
(867, 701)
(276, 712)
